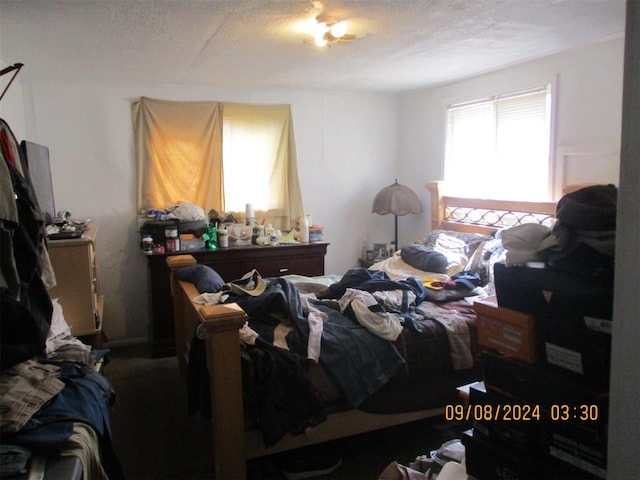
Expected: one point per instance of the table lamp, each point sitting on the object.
(396, 199)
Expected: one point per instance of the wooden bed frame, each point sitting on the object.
(232, 446)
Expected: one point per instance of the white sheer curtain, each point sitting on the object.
(260, 163)
(218, 156)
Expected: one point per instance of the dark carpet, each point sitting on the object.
(155, 439)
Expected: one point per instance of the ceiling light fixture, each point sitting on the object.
(326, 34)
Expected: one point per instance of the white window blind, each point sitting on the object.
(499, 147)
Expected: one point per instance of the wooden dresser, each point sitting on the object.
(78, 288)
(231, 263)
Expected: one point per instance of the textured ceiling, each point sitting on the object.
(401, 44)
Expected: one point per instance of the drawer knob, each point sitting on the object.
(284, 270)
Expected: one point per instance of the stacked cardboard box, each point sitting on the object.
(546, 353)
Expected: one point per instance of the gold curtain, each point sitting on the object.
(178, 153)
(179, 149)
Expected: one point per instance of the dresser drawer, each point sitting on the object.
(232, 263)
(278, 265)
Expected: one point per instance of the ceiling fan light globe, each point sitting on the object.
(321, 41)
(320, 28)
(338, 30)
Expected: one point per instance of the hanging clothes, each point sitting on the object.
(25, 302)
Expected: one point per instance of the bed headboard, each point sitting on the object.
(483, 215)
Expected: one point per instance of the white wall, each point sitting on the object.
(587, 123)
(346, 152)
(349, 146)
(624, 421)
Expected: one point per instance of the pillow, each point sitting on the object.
(480, 260)
(471, 240)
(423, 258)
(205, 278)
(398, 269)
(526, 243)
(451, 247)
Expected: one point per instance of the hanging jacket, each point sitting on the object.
(25, 307)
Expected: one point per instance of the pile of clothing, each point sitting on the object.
(580, 242)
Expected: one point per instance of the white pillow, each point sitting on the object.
(454, 249)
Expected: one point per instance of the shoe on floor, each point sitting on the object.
(310, 465)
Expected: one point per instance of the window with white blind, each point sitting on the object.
(499, 147)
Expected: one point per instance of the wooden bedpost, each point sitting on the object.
(221, 324)
(437, 209)
(185, 317)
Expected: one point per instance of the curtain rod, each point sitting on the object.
(16, 67)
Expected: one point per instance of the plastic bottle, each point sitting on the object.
(147, 244)
(223, 237)
(304, 229)
(269, 230)
(172, 240)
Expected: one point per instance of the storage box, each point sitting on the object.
(189, 241)
(580, 444)
(506, 331)
(486, 461)
(540, 384)
(580, 350)
(522, 430)
(573, 317)
(548, 294)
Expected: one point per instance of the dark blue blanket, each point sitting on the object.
(359, 361)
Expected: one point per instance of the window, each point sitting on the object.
(218, 156)
(254, 139)
(499, 147)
